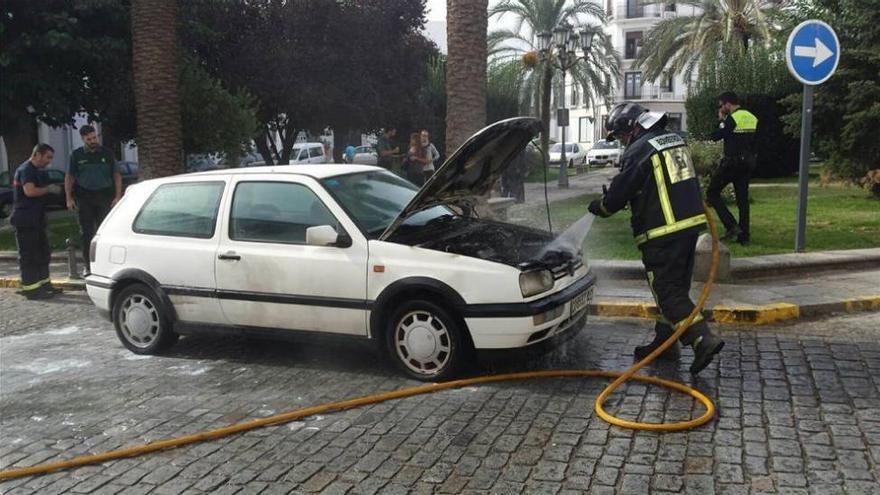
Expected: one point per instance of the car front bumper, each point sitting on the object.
(507, 326)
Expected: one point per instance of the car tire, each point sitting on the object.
(141, 321)
(5, 210)
(426, 341)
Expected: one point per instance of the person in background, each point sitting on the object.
(416, 160)
(384, 151)
(31, 183)
(737, 127)
(349, 153)
(92, 185)
(431, 154)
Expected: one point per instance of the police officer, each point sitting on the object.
(658, 181)
(31, 183)
(737, 129)
(92, 185)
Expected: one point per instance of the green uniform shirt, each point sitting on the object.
(92, 170)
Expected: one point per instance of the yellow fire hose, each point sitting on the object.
(620, 378)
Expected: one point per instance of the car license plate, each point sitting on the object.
(581, 300)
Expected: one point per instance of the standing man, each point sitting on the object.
(31, 183)
(737, 129)
(92, 185)
(431, 154)
(384, 150)
(658, 181)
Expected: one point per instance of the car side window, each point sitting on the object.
(278, 212)
(56, 175)
(317, 152)
(181, 210)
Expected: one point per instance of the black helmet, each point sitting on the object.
(622, 119)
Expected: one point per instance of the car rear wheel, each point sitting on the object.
(425, 341)
(140, 321)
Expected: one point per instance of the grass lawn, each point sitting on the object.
(60, 228)
(537, 174)
(838, 217)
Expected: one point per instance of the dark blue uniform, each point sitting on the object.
(29, 220)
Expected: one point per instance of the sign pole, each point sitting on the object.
(804, 174)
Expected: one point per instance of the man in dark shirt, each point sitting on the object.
(384, 151)
(93, 185)
(31, 183)
(737, 129)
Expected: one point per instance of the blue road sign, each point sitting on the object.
(812, 52)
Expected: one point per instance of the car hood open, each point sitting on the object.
(473, 169)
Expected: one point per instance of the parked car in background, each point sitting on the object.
(201, 163)
(575, 154)
(344, 249)
(251, 159)
(307, 153)
(129, 172)
(365, 155)
(605, 153)
(55, 199)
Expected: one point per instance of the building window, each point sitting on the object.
(674, 123)
(666, 84)
(575, 96)
(670, 7)
(633, 86)
(634, 9)
(633, 45)
(584, 130)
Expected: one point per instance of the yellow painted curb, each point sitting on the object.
(626, 309)
(866, 303)
(755, 315)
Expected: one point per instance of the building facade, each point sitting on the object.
(628, 24)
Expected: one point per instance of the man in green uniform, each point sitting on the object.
(93, 185)
(384, 151)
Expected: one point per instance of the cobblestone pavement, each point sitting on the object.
(799, 412)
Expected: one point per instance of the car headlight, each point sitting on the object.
(535, 282)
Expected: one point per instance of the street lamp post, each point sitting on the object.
(565, 57)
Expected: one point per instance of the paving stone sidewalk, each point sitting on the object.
(798, 413)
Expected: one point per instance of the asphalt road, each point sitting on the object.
(798, 413)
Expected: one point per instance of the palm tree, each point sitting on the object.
(597, 75)
(466, 69)
(681, 44)
(156, 87)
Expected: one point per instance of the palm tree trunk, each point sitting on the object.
(154, 51)
(466, 70)
(546, 88)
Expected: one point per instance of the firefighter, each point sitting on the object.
(31, 183)
(737, 128)
(658, 181)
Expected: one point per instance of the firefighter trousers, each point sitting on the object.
(669, 266)
(33, 256)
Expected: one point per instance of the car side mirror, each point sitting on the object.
(325, 235)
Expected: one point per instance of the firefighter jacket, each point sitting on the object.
(738, 132)
(657, 179)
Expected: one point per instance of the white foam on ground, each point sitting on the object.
(63, 331)
(42, 366)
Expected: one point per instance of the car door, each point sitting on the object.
(267, 276)
(316, 154)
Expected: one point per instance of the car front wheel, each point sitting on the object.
(425, 341)
(140, 321)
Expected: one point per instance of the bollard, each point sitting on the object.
(703, 259)
(72, 271)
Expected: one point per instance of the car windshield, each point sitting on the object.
(374, 199)
(604, 145)
(557, 148)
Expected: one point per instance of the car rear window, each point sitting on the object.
(181, 210)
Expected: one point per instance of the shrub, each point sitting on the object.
(706, 155)
(871, 182)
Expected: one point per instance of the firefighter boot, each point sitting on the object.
(705, 347)
(662, 332)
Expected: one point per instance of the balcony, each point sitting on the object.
(635, 10)
(649, 92)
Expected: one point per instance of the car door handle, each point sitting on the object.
(229, 256)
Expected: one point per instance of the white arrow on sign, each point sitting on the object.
(818, 53)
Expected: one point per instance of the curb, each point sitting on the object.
(743, 314)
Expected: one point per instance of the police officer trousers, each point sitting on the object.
(736, 171)
(669, 266)
(33, 256)
(92, 207)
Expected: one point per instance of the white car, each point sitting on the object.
(365, 155)
(307, 153)
(605, 153)
(343, 249)
(575, 154)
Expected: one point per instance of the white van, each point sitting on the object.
(307, 153)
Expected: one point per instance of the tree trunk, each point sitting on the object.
(546, 88)
(20, 141)
(154, 52)
(263, 147)
(465, 70)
